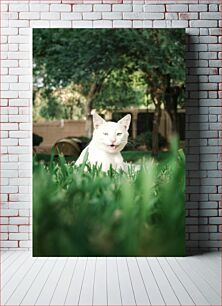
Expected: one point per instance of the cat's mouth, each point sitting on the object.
(112, 146)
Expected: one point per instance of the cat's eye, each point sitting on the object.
(118, 134)
(106, 134)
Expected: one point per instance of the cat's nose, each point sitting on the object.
(113, 140)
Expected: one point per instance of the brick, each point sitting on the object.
(137, 24)
(147, 24)
(112, 15)
(203, 23)
(122, 23)
(39, 24)
(12, 158)
(18, 23)
(122, 7)
(9, 63)
(197, 7)
(9, 142)
(208, 205)
(18, 7)
(82, 8)
(19, 71)
(10, 15)
(82, 24)
(39, 7)
(210, 228)
(207, 55)
(199, 236)
(60, 8)
(179, 23)
(208, 212)
(162, 24)
(208, 39)
(60, 24)
(29, 15)
(10, 212)
(133, 15)
(19, 118)
(154, 8)
(102, 7)
(215, 236)
(208, 16)
(214, 197)
(92, 15)
(3, 220)
(19, 102)
(9, 126)
(177, 8)
(102, 24)
(213, 7)
(210, 244)
(137, 8)
(9, 173)
(214, 47)
(19, 220)
(52, 16)
(24, 212)
(17, 149)
(71, 16)
(18, 236)
(171, 16)
(188, 16)
(8, 244)
(207, 189)
(215, 63)
(215, 31)
(25, 244)
(24, 229)
(4, 236)
(4, 7)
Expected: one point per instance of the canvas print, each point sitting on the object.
(108, 142)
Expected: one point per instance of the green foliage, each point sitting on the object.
(146, 139)
(93, 213)
(119, 61)
(51, 109)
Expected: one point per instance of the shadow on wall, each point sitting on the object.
(193, 171)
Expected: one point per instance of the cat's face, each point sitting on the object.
(111, 136)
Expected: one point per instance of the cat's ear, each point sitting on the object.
(97, 120)
(125, 121)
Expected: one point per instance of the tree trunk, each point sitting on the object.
(88, 110)
(171, 100)
(155, 132)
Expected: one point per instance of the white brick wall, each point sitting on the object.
(201, 20)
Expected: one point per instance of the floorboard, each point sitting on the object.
(61, 290)
(86, 294)
(100, 283)
(180, 291)
(113, 284)
(75, 286)
(27, 280)
(49, 287)
(153, 290)
(165, 287)
(189, 284)
(126, 289)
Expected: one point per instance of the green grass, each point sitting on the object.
(93, 213)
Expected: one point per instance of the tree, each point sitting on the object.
(97, 58)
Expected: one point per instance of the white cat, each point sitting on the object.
(109, 138)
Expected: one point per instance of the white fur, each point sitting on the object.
(109, 138)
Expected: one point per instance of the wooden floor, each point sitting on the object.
(191, 280)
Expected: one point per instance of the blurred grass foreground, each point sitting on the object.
(93, 213)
